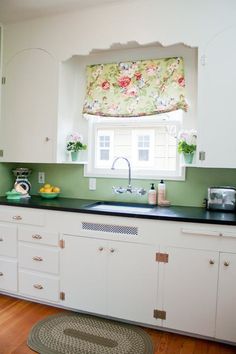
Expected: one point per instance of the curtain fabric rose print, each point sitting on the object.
(131, 89)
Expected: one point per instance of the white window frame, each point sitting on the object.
(104, 163)
(96, 122)
(135, 135)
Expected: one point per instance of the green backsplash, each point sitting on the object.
(73, 184)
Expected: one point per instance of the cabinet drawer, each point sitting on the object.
(39, 258)
(8, 275)
(39, 285)
(22, 216)
(8, 240)
(38, 237)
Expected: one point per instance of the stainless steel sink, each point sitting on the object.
(120, 207)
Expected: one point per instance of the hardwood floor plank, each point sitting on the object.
(18, 316)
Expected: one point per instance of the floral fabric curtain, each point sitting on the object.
(131, 89)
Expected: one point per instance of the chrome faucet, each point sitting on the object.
(129, 167)
(129, 189)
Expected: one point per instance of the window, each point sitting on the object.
(104, 148)
(149, 143)
(143, 145)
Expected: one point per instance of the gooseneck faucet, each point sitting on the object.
(129, 189)
(129, 167)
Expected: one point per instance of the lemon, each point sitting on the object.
(47, 190)
(41, 190)
(56, 190)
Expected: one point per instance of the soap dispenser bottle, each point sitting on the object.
(161, 194)
(152, 195)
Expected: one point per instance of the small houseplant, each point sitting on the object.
(75, 144)
(187, 144)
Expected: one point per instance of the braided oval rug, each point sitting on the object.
(73, 333)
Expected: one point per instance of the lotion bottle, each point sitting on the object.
(152, 195)
(161, 192)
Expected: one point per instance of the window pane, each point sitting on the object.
(104, 141)
(143, 155)
(104, 154)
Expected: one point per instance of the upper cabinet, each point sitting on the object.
(216, 101)
(29, 107)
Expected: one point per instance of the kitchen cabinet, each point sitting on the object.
(189, 290)
(38, 257)
(171, 275)
(216, 101)
(30, 107)
(111, 278)
(8, 257)
(226, 312)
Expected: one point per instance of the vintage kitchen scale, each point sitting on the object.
(22, 184)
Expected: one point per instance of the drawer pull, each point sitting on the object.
(101, 249)
(226, 263)
(37, 237)
(37, 258)
(112, 250)
(1, 239)
(17, 217)
(1, 274)
(38, 286)
(211, 261)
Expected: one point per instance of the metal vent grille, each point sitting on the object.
(115, 229)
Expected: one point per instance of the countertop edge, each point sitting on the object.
(83, 208)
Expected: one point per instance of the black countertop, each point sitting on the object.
(174, 213)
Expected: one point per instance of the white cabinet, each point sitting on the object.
(110, 278)
(30, 107)
(226, 310)
(8, 260)
(189, 290)
(38, 256)
(175, 275)
(216, 100)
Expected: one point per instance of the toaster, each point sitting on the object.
(221, 198)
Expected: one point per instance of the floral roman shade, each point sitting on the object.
(139, 88)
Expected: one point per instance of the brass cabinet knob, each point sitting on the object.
(101, 249)
(17, 217)
(37, 237)
(112, 250)
(211, 261)
(226, 263)
(38, 286)
(37, 258)
(1, 274)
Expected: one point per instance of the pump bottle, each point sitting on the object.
(161, 192)
(152, 195)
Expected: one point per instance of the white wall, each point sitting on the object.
(168, 21)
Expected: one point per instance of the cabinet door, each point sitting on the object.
(29, 116)
(226, 310)
(216, 97)
(83, 274)
(188, 290)
(132, 281)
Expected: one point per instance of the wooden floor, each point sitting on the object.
(18, 316)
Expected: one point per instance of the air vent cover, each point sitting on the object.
(115, 229)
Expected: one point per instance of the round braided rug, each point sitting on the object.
(72, 333)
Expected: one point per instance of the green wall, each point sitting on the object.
(70, 179)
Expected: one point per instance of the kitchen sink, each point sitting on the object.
(121, 207)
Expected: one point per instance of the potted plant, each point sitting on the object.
(187, 144)
(75, 144)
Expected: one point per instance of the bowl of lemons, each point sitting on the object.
(49, 192)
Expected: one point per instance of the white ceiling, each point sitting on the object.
(20, 10)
